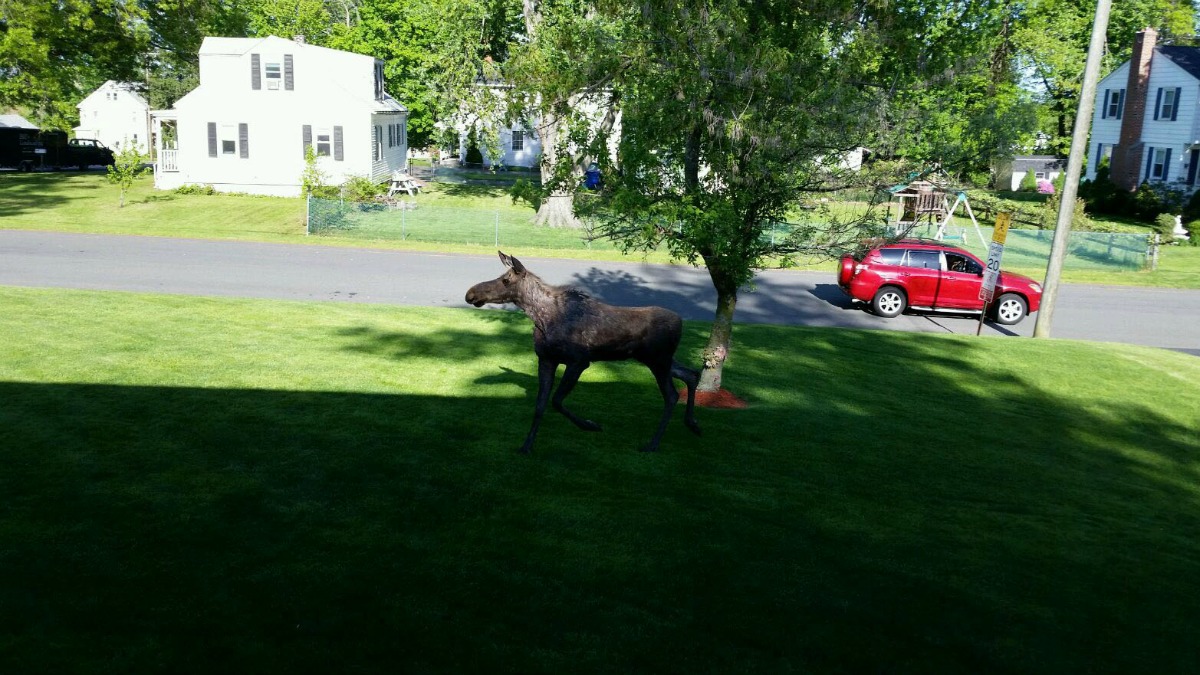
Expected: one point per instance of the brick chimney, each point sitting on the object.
(1128, 155)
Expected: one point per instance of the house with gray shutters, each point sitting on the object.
(1145, 123)
(262, 102)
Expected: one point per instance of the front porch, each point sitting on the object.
(165, 125)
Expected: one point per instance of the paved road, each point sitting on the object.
(1154, 317)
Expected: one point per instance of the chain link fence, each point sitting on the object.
(405, 220)
(1110, 251)
(412, 221)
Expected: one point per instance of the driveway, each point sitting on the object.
(1147, 316)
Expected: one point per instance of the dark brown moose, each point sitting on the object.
(573, 329)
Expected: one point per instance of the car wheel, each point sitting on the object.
(889, 302)
(1010, 309)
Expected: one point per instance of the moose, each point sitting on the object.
(573, 329)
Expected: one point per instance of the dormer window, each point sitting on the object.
(274, 73)
(379, 80)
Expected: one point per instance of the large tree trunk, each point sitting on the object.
(559, 208)
(718, 339)
(558, 211)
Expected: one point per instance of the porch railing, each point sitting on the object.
(168, 160)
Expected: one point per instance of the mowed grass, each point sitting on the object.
(219, 485)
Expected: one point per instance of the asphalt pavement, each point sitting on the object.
(1168, 318)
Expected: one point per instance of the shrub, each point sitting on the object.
(1079, 218)
(312, 179)
(1045, 187)
(361, 189)
(195, 189)
(1164, 225)
(1193, 230)
(1028, 183)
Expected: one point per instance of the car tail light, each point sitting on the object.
(861, 267)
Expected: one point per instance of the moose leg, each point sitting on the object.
(670, 397)
(570, 377)
(691, 378)
(546, 369)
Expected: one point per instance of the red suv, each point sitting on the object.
(934, 277)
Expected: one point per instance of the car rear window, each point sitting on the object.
(929, 260)
(891, 256)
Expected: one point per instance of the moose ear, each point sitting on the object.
(517, 266)
(505, 259)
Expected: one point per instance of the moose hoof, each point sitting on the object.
(691, 424)
(653, 447)
(588, 425)
(524, 450)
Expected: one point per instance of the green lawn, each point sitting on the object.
(220, 485)
(75, 202)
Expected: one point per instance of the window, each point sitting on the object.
(518, 140)
(1160, 159)
(1040, 175)
(1114, 104)
(930, 260)
(378, 152)
(891, 256)
(1167, 104)
(228, 140)
(274, 72)
(961, 263)
(1104, 153)
(324, 143)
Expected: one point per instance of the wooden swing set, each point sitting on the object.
(923, 202)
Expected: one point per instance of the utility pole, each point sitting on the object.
(1079, 137)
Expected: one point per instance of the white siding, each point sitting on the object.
(1106, 130)
(1176, 135)
(115, 116)
(331, 89)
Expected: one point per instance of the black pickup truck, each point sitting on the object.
(33, 149)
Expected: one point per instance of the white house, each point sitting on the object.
(518, 143)
(115, 114)
(1010, 173)
(262, 102)
(1145, 122)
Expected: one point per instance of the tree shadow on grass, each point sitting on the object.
(905, 520)
(24, 193)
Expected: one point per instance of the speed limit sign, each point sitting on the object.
(991, 273)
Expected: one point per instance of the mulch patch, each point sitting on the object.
(717, 399)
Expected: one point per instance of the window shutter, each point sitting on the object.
(1104, 108)
(307, 139)
(255, 72)
(244, 140)
(1157, 102)
(1149, 163)
(289, 73)
(337, 144)
(1166, 165)
(1120, 103)
(1175, 108)
(212, 139)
